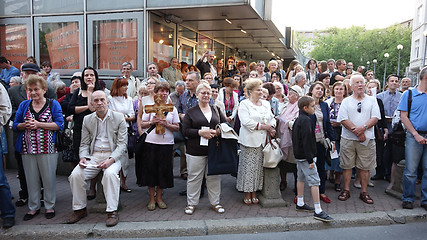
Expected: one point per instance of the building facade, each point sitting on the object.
(419, 39)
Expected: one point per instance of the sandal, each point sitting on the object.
(247, 201)
(255, 200)
(338, 187)
(189, 210)
(344, 195)
(364, 196)
(151, 206)
(162, 205)
(218, 208)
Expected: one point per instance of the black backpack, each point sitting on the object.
(398, 134)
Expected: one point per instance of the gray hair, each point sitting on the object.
(423, 72)
(203, 84)
(195, 73)
(152, 63)
(58, 84)
(16, 79)
(299, 76)
(126, 64)
(356, 76)
(179, 83)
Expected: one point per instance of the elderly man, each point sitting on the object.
(414, 118)
(179, 90)
(133, 82)
(8, 71)
(103, 145)
(153, 71)
(207, 66)
(172, 73)
(405, 84)
(300, 80)
(358, 115)
(18, 94)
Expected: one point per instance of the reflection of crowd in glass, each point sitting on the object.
(256, 99)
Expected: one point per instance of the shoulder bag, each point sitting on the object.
(272, 152)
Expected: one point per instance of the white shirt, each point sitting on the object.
(166, 138)
(348, 111)
(101, 140)
(122, 105)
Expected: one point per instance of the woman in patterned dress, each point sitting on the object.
(36, 121)
(257, 121)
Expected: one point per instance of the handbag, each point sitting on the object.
(326, 142)
(272, 152)
(222, 150)
(131, 141)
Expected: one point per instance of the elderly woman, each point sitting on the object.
(157, 162)
(339, 92)
(208, 77)
(257, 121)
(260, 71)
(280, 96)
(199, 126)
(272, 67)
(119, 101)
(286, 120)
(61, 90)
(230, 98)
(15, 81)
(36, 121)
(322, 129)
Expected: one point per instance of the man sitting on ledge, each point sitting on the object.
(103, 144)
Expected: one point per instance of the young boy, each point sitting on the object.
(304, 143)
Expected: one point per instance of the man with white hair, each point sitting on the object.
(133, 82)
(300, 80)
(358, 115)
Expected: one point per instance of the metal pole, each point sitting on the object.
(374, 70)
(385, 72)
(398, 64)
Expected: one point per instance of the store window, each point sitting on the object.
(114, 42)
(13, 43)
(59, 40)
(163, 44)
(58, 6)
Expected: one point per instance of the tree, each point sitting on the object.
(358, 45)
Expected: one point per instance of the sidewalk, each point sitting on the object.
(137, 220)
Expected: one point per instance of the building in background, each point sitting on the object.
(419, 40)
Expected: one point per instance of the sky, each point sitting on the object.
(308, 15)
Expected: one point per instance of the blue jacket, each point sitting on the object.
(20, 114)
(327, 127)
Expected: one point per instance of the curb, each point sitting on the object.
(209, 227)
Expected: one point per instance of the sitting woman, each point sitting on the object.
(36, 121)
(199, 126)
(157, 163)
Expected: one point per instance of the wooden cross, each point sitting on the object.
(159, 108)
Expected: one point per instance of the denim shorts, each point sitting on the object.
(307, 174)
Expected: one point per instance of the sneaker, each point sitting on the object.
(407, 205)
(322, 216)
(304, 208)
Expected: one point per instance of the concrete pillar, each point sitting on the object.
(397, 190)
(270, 194)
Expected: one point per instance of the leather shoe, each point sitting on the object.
(28, 216)
(325, 199)
(49, 215)
(8, 222)
(77, 215)
(113, 219)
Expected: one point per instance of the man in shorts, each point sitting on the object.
(358, 115)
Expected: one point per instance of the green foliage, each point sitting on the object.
(358, 45)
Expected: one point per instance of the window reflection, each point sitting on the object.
(13, 43)
(205, 44)
(59, 44)
(114, 42)
(163, 45)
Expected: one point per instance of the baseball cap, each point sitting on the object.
(30, 67)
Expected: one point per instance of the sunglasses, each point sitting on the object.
(359, 107)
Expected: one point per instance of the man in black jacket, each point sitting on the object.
(207, 66)
(304, 144)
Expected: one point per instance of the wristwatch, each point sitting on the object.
(365, 126)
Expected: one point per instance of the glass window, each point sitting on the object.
(93, 5)
(189, 3)
(187, 33)
(114, 42)
(14, 7)
(58, 6)
(163, 44)
(187, 54)
(205, 44)
(59, 43)
(219, 50)
(13, 43)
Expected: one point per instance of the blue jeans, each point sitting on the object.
(6, 206)
(414, 153)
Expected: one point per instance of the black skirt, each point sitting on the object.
(157, 166)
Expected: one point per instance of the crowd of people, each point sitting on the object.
(333, 123)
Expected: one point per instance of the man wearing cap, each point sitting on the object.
(18, 94)
(8, 71)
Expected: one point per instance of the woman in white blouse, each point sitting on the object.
(119, 101)
(257, 121)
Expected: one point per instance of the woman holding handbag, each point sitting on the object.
(119, 101)
(199, 126)
(323, 131)
(257, 121)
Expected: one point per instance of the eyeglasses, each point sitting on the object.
(151, 83)
(359, 107)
